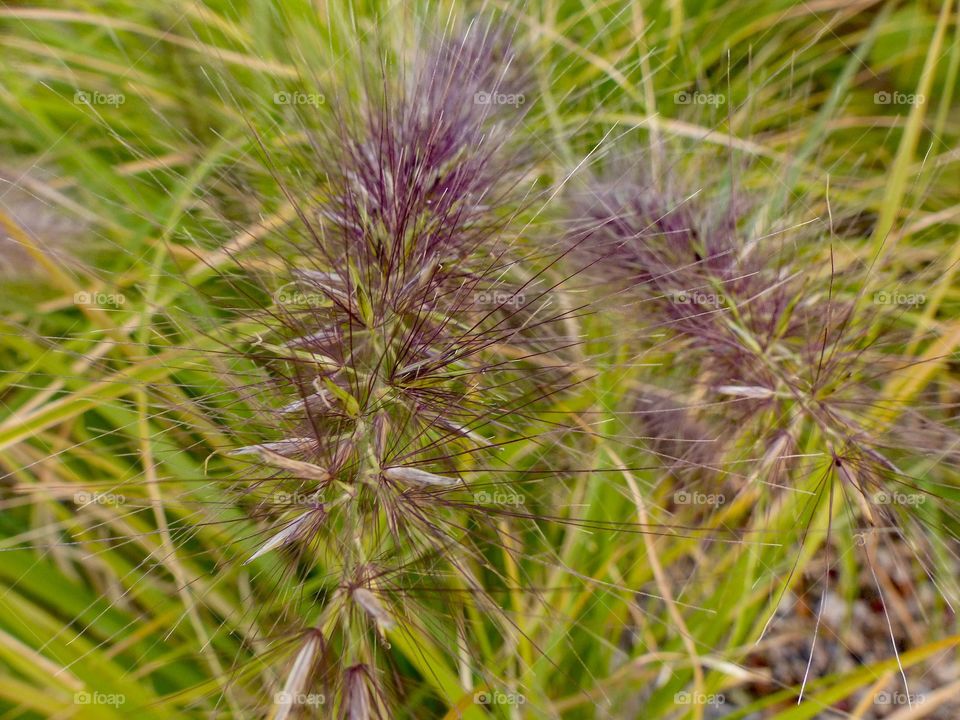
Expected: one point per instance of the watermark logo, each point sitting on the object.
(498, 498)
(886, 297)
(898, 98)
(501, 298)
(696, 97)
(99, 698)
(685, 697)
(295, 498)
(496, 98)
(292, 294)
(289, 699)
(99, 299)
(696, 297)
(84, 497)
(682, 497)
(495, 697)
(283, 97)
(897, 498)
(898, 698)
(95, 97)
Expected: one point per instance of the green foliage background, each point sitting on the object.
(142, 597)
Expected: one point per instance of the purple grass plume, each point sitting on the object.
(406, 349)
(790, 380)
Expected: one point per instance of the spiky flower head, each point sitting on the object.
(795, 390)
(405, 347)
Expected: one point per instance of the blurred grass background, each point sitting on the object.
(133, 155)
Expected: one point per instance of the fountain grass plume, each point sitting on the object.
(412, 338)
(795, 379)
